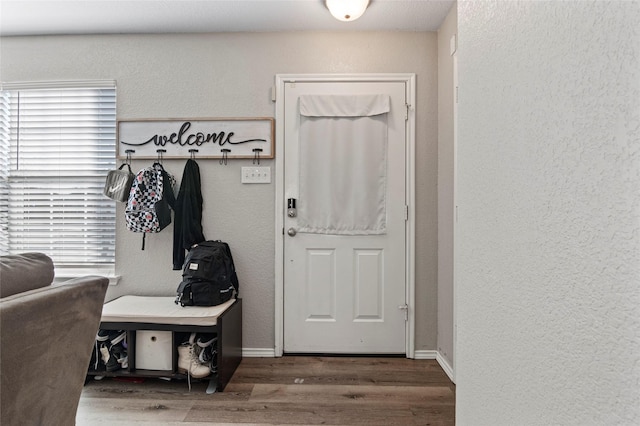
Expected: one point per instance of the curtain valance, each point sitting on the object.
(343, 105)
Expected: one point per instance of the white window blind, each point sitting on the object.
(56, 148)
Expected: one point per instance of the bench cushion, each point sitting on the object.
(160, 310)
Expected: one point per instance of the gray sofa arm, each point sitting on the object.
(24, 272)
(46, 340)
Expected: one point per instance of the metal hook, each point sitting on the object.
(128, 159)
(193, 153)
(225, 156)
(160, 151)
(256, 155)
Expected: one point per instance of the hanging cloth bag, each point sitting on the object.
(118, 183)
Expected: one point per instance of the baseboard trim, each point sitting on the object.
(258, 353)
(425, 354)
(420, 354)
(448, 370)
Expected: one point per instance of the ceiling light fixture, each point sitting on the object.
(347, 10)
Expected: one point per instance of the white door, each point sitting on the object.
(344, 293)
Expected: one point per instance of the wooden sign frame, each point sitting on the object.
(225, 138)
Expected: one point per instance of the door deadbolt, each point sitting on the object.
(291, 207)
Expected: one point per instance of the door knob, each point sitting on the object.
(291, 232)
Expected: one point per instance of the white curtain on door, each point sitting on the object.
(343, 164)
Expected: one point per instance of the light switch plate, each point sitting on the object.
(256, 175)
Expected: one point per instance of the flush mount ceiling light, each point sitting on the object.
(347, 10)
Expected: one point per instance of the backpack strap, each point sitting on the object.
(234, 276)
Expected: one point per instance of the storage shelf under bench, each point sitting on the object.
(134, 314)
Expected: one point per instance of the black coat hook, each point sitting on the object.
(256, 155)
(160, 152)
(193, 153)
(225, 156)
(128, 152)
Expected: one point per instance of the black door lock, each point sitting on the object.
(291, 207)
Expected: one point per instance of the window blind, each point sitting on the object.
(56, 148)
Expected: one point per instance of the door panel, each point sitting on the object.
(321, 285)
(344, 293)
(368, 291)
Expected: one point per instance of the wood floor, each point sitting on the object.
(289, 390)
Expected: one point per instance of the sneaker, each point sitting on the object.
(207, 345)
(120, 354)
(213, 363)
(109, 360)
(96, 358)
(117, 337)
(205, 356)
(206, 340)
(112, 336)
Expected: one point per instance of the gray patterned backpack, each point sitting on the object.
(149, 200)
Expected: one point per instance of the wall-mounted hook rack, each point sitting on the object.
(240, 137)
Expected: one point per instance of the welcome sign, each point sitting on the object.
(204, 138)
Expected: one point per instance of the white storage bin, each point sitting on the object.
(154, 350)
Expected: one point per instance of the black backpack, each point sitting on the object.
(208, 276)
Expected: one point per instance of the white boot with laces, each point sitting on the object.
(188, 362)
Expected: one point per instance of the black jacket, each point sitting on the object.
(187, 230)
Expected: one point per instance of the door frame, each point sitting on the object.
(410, 83)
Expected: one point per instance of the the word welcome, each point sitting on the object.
(199, 138)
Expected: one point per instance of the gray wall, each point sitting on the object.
(230, 75)
(446, 158)
(548, 232)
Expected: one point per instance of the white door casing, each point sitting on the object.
(349, 299)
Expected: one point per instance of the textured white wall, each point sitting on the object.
(548, 254)
(445, 186)
(231, 75)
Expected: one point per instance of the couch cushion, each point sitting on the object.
(23, 272)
